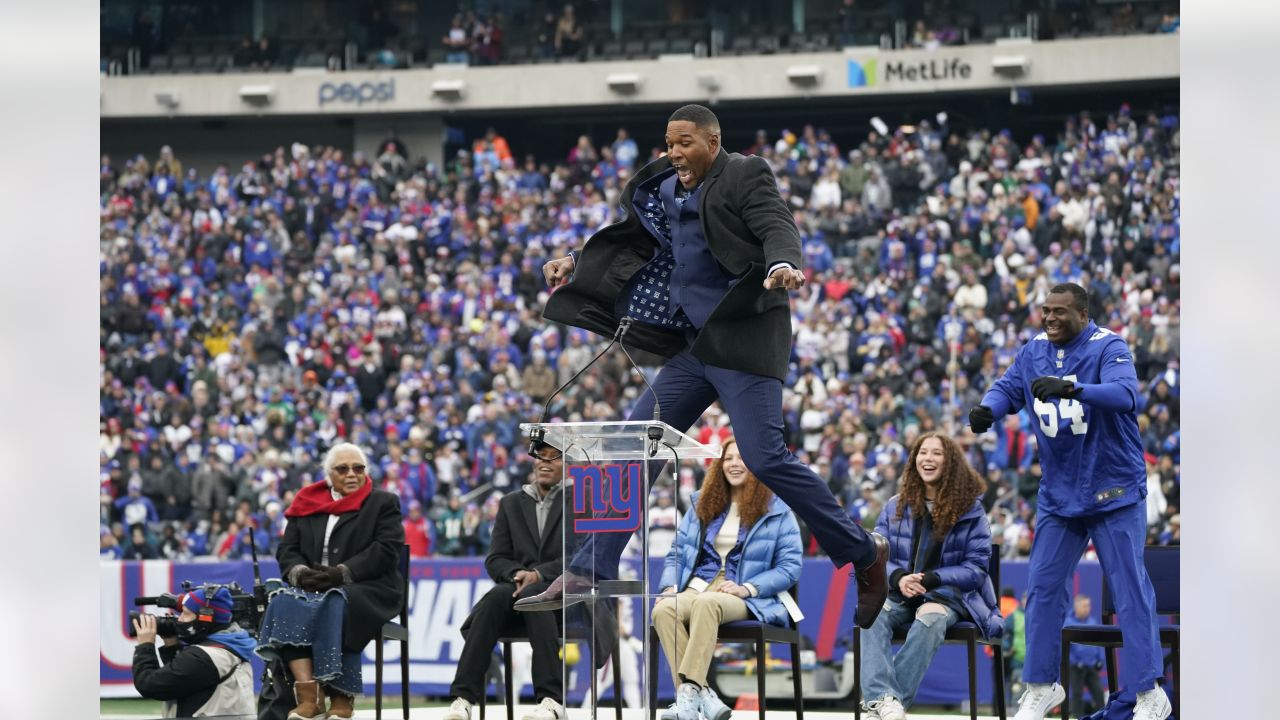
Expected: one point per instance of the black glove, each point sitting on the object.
(981, 419)
(327, 577)
(1047, 386)
(310, 578)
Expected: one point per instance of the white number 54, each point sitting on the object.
(1066, 409)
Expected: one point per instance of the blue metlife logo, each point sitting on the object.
(358, 93)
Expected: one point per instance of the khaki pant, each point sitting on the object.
(688, 625)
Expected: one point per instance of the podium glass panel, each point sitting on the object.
(610, 589)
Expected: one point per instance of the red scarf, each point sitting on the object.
(317, 498)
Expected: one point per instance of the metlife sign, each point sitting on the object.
(358, 94)
(872, 72)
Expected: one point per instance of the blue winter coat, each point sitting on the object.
(963, 566)
(770, 558)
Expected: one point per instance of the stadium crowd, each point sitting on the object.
(253, 316)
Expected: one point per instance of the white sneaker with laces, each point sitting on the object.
(459, 709)
(712, 707)
(887, 708)
(1152, 704)
(1038, 699)
(548, 709)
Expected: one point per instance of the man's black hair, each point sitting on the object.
(1007, 591)
(1079, 294)
(700, 116)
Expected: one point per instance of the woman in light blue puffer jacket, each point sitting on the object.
(736, 554)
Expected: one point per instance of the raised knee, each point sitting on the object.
(930, 609)
(759, 459)
(706, 602)
(932, 617)
(665, 610)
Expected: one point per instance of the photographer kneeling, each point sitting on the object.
(205, 669)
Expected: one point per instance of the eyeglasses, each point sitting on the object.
(552, 457)
(344, 469)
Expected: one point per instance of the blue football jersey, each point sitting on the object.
(1091, 458)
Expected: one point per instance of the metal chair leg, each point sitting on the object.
(1064, 676)
(761, 667)
(797, 680)
(857, 673)
(973, 679)
(998, 659)
(404, 677)
(1113, 677)
(654, 646)
(508, 680)
(377, 680)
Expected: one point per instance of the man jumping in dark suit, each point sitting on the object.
(701, 263)
(524, 555)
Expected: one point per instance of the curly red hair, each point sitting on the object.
(714, 499)
(960, 485)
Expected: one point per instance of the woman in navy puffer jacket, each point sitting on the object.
(736, 554)
(939, 545)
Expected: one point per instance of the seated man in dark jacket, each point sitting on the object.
(206, 669)
(524, 556)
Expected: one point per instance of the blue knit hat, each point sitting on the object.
(199, 601)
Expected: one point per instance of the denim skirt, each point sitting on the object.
(299, 619)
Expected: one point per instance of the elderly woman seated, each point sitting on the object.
(339, 557)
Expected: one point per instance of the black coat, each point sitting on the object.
(748, 229)
(368, 542)
(516, 543)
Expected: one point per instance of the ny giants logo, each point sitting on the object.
(615, 494)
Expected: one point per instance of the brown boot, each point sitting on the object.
(341, 706)
(310, 701)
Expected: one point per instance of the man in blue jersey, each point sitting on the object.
(1078, 379)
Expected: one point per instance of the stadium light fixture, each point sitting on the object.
(257, 94)
(804, 75)
(168, 98)
(1010, 65)
(449, 89)
(624, 83)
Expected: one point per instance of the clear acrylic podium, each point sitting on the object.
(608, 471)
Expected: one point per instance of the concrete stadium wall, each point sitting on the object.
(667, 80)
(210, 122)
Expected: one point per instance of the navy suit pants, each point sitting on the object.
(686, 387)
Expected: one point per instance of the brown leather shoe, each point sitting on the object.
(310, 701)
(340, 706)
(873, 584)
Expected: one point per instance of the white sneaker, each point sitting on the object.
(1152, 705)
(1039, 699)
(548, 709)
(887, 708)
(459, 709)
(712, 707)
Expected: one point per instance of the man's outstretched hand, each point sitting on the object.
(557, 272)
(785, 277)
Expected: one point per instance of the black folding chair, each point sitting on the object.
(395, 631)
(962, 632)
(752, 631)
(1162, 566)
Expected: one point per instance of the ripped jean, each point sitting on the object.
(886, 674)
